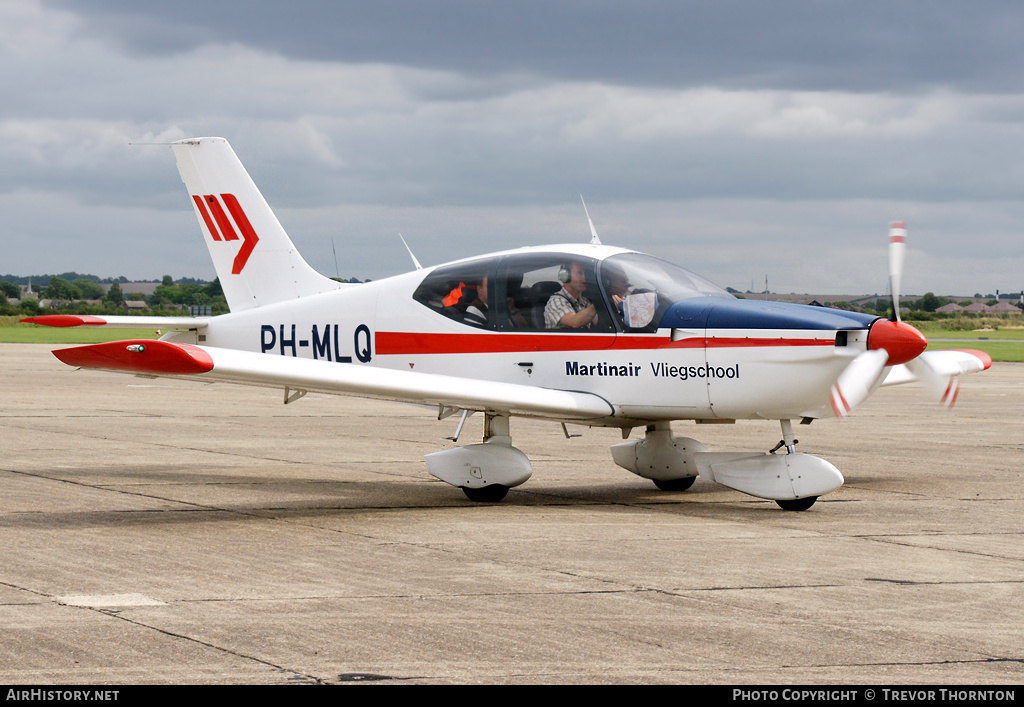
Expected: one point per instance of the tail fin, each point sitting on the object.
(255, 259)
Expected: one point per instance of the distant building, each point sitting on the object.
(950, 308)
(1004, 308)
(977, 308)
(142, 288)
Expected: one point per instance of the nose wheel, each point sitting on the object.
(675, 484)
(486, 494)
(798, 504)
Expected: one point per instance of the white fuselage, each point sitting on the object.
(702, 374)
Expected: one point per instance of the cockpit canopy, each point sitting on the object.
(630, 291)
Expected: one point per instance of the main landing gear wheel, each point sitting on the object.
(486, 494)
(798, 504)
(675, 484)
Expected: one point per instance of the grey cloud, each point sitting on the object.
(478, 124)
(854, 45)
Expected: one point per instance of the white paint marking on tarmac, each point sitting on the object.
(108, 600)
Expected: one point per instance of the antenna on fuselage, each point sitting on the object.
(414, 261)
(594, 240)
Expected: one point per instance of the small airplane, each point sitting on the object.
(582, 334)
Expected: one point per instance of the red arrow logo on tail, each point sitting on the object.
(220, 227)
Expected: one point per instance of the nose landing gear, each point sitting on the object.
(790, 442)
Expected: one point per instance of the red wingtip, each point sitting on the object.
(985, 359)
(66, 320)
(139, 356)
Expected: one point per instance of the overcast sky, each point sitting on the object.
(739, 139)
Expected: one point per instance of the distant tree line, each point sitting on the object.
(926, 304)
(38, 282)
(919, 308)
(168, 293)
(922, 308)
(85, 295)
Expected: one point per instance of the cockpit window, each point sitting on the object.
(538, 290)
(461, 292)
(639, 289)
(535, 292)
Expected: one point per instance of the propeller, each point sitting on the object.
(857, 381)
(897, 247)
(939, 372)
(943, 389)
(890, 341)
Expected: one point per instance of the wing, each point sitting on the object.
(88, 320)
(162, 358)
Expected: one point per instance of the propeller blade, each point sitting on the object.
(897, 247)
(943, 389)
(857, 381)
(939, 372)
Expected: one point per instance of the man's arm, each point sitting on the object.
(582, 318)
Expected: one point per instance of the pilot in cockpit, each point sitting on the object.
(569, 307)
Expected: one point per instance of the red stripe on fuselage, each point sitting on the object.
(405, 343)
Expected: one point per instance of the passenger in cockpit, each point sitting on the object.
(616, 283)
(476, 312)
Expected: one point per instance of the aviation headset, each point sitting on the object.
(563, 273)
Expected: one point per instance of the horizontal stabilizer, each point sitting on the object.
(116, 322)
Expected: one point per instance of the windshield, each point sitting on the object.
(640, 288)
